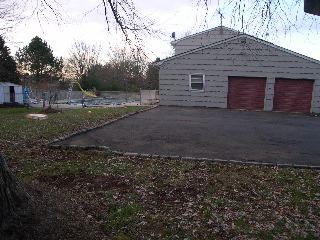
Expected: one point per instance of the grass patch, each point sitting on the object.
(145, 198)
(242, 224)
(15, 127)
(122, 219)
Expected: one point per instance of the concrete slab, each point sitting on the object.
(37, 116)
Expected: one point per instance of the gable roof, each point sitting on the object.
(8, 84)
(206, 31)
(238, 37)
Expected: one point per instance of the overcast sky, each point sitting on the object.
(82, 22)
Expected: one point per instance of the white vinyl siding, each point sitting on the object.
(232, 58)
(5, 93)
(201, 39)
(196, 82)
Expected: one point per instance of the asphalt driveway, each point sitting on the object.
(213, 133)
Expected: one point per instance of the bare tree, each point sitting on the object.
(127, 18)
(129, 66)
(82, 57)
(8, 15)
(264, 16)
(13, 203)
(120, 12)
(135, 27)
(13, 12)
(261, 15)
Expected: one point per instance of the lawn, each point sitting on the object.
(96, 195)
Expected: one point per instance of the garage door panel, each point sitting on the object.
(246, 93)
(293, 95)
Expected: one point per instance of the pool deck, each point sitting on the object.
(75, 106)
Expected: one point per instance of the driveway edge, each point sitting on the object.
(65, 137)
(169, 157)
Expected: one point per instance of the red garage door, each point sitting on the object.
(246, 93)
(292, 95)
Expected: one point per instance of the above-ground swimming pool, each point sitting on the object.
(101, 101)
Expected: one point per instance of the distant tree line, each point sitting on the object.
(126, 70)
(123, 72)
(35, 63)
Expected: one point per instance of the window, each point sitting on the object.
(196, 82)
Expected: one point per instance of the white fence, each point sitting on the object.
(145, 97)
(149, 97)
(63, 94)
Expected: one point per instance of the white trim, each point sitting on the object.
(203, 82)
(235, 38)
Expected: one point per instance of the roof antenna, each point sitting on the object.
(173, 35)
(221, 18)
(242, 24)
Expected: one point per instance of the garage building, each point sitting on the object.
(223, 68)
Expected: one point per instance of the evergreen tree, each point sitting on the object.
(8, 67)
(37, 58)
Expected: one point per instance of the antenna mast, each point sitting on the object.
(221, 17)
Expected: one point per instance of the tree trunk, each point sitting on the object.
(13, 198)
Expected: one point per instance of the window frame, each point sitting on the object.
(203, 82)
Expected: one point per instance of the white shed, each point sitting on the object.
(10, 93)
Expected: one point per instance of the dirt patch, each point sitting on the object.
(175, 194)
(85, 182)
(50, 110)
(12, 105)
(53, 216)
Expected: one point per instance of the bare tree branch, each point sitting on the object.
(262, 17)
(82, 57)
